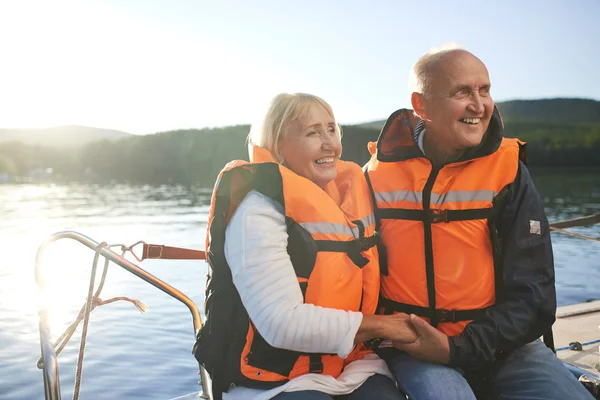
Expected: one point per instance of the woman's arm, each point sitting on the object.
(256, 251)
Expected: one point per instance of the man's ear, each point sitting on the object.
(416, 99)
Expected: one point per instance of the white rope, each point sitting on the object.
(91, 303)
(86, 320)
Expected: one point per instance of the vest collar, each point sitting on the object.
(397, 140)
(260, 154)
(336, 189)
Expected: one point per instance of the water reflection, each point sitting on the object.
(568, 194)
(565, 195)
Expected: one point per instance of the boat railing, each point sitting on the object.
(49, 360)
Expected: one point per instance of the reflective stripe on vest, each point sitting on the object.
(338, 229)
(385, 198)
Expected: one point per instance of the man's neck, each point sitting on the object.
(440, 156)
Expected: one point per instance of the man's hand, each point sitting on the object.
(399, 329)
(396, 327)
(431, 345)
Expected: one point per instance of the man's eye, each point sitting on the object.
(311, 133)
(331, 129)
(484, 92)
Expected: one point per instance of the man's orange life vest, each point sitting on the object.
(435, 226)
(332, 246)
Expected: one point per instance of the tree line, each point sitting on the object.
(194, 157)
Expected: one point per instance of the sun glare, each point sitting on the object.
(62, 289)
(138, 76)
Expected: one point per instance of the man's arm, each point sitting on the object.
(525, 306)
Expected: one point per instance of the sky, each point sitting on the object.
(145, 66)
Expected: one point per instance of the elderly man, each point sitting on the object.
(467, 242)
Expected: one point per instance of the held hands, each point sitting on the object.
(399, 329)
(430, 345)
(396, 327)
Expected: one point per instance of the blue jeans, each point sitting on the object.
(531, 372)
(376, 387)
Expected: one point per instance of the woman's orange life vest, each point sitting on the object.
(332, 246)
(435, 227)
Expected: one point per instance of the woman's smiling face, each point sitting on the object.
(312, 145)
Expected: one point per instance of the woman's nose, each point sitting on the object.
(329, 142)
(332, 144)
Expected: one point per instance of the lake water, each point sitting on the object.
(148, 356)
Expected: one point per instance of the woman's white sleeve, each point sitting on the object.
(255, 249)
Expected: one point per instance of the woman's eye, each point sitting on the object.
(311, 133)
(331, 129)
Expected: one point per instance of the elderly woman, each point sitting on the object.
(294, 274)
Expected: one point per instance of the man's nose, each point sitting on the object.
(476, 105)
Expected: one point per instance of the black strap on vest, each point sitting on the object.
(303, 287)
(315, 359)
(353, 248)
(434, 215)
(316, 363)
(441, 314)
(383, 264)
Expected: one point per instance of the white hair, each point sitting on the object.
(419, 80)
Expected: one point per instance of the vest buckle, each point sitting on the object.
(316, 364)
(447, 316)
(373, 344)
(365, 243)
(439, 216)
(354, 253)
(362, 244)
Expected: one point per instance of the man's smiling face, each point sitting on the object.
(458, 105)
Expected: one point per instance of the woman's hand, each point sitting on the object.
(396, 327)
(432, 345)
(399, 329)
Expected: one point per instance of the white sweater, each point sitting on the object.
(255, 249)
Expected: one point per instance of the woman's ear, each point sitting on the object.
(278, 156)
(417, 100)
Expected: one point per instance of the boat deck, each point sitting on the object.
(579, 323)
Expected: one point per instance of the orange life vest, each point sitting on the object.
(434, 225)
(332, 248)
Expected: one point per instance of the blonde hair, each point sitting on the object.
(419, 80)
(283, 108)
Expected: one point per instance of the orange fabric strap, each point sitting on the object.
(159, 251)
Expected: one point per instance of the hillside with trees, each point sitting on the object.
(555, 111)
(61, 136)
(559, 132)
